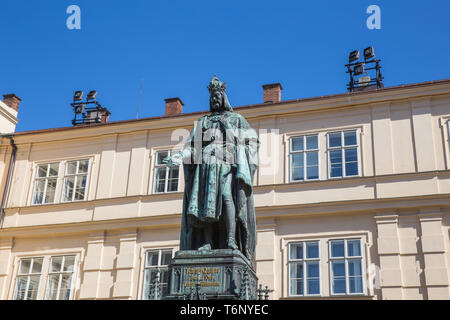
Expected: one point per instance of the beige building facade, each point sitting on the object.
(352, 200)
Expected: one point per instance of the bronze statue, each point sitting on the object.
(219, 161)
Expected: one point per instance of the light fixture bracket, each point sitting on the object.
(89, 111)
(356, 67)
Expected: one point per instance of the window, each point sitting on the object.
(304, 158)
(156, 262)
(45, 183)
(343, 154)
(60, 278)
(166, 179)
(304, 268)
(75, 180)
(48, 178)
(57, 272)
(28, 279)
(346, 266)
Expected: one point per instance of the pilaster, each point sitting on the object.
(6, 245)
(389, 254)
(125, 266)
(423, 135)
(92, 265)
(434, 254)
(382, 139)
(265, 254)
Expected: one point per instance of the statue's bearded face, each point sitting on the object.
(216, 101)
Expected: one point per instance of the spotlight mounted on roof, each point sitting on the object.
(353, 56)
(78, 96)
(356, 68)
(369, 53)
(359, 69)
(92, 95)
(79, 108)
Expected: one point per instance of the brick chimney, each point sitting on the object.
(272, 92)
(11, 100)
(174, 106)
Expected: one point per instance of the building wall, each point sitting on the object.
(8, 118)
(398, 206)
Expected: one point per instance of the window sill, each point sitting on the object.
(73, 201)
(329, 179)
(42, 204)
(307, 180)
(346, 177)
(331, 297)
(311, 296)
(54, 203)
(168, 192)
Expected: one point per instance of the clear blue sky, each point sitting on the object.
(177, 46)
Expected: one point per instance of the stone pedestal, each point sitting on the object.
(211, 275)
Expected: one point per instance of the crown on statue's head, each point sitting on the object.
(215, 84)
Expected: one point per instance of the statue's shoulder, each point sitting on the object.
(202, 118)
(239, 120)
(233, 116)
(236, 115)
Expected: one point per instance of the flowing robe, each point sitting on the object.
(215, 168)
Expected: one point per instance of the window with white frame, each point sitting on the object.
(346, 272)
(45, 183)
(165, 179)
(304, 268)
(55, 274)
(304, 158)
(60, 278)
(343, 154)
(156, 265)
(28, 279)
(75, 180)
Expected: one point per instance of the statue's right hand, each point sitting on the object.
(168, 161)
(173, 161)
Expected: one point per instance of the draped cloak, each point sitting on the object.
(209, 174)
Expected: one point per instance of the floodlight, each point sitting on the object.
(354, 55)
(92, 95)
(359, 69)
(79, 109)
(78, 96)
(369, 53)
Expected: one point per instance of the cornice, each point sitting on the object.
(426, 90)
(383, 210)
